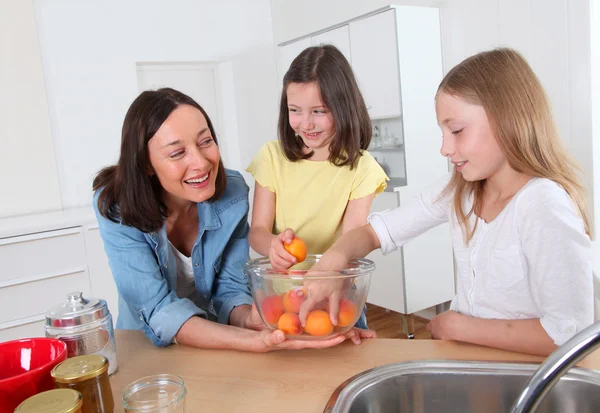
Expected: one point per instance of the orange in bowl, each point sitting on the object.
(290, 324)
(297, 248)
(318, 323)
(348, 314)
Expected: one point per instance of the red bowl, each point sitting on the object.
(25, 367)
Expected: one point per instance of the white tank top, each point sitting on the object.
(186, 285)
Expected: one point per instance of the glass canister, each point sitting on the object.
(86, 326)
(162, 393)
(52, 401)
(89, 376)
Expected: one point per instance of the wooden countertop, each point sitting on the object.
(282, 381)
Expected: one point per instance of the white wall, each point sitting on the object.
(28, 178)
(89, 50)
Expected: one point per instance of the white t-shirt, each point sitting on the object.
(532, 261)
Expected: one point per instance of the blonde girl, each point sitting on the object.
(520, 226)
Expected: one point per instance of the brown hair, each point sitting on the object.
(128, 193)
(520, 116)
(328, 67)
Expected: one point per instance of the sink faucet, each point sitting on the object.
(557, 364)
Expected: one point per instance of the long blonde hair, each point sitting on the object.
(503, 83)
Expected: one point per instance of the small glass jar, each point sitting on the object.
(155, 394)
(52, 401)
(86, 326)
(89, 376)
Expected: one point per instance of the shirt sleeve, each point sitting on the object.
(370, 178)
(140, 283)
(558, 257)
(261, 167)
(396, 227)
(231, 286)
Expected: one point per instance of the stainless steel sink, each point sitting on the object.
(461, 387)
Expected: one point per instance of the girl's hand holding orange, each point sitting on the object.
(278, 256)
(297, 248)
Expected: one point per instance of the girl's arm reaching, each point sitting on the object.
(357, 212)
(261, 238)
(523, 336)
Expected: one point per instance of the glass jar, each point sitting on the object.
(89, 376)
(86, 326)
(52, 401)
(162, 393)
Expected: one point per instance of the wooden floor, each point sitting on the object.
(388, 324)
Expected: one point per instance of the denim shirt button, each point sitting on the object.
(196, 264)
(165, 265)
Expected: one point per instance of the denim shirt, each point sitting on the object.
(144, 269)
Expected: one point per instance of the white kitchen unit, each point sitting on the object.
(374, 48)
(286, 55)
(396, 55)
(338, 37)
(44, 257)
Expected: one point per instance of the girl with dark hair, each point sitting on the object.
(174, 225)
(318, 181)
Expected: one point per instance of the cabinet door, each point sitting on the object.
(387, 281)
(287, 54)
(339, 38)
(428, 265)
(101, 280)
(374, 49)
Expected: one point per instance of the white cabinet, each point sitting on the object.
(337, 37)
(44, 257)
(101, 279)
(287, 54)
(375, 62)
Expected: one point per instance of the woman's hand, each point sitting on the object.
(278, 256)
(275, 340)
(447, 325)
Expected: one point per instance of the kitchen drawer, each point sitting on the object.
(26, 328)
(30, 298)
(41, 255)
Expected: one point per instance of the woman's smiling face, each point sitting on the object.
(184, 156)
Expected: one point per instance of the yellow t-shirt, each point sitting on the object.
(311, 196)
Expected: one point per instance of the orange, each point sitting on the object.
(347, 314)
(297, 248)
(318, 323)
(293, 299)
(272, 308)
(290, 324)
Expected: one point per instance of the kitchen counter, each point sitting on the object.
(283, 381)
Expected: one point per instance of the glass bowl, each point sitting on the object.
(278, 295)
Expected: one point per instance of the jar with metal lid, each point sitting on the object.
(52, 401)
(86, 326)
(89, 376)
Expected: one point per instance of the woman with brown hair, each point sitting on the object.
(174, 225)
(517, 211)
